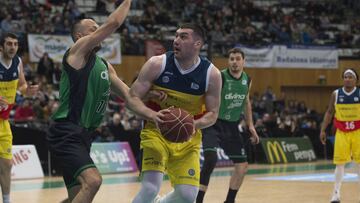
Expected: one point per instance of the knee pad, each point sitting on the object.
(210, 159)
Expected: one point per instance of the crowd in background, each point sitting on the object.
(325, 22)
(227, 22)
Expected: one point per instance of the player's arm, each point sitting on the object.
(140, 88)
(249, 119)
(327, 118)
(113, 22)
(23, 87)
(120, 88)
(212, 101)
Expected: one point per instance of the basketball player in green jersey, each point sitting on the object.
(225, 133)
(85, 86)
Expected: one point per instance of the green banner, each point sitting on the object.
(286, 150)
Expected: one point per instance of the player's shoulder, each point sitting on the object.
(157, 60)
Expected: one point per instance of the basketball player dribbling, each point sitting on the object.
(190, 81)
(344, 105)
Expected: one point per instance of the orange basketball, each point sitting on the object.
(178, 125)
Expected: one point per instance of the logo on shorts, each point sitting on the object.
(191, 172)
(356, 99)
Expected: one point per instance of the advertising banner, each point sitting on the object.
(286, 150)
(282, 56)
(56, 45)
(26, 163)
(113, 157)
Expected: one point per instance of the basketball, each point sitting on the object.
(178, 125)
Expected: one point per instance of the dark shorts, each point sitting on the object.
(226, 135)
(70, 145)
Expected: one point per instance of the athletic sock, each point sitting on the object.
(231, 196)
(6, 198)
(200, 196)
(339, 174)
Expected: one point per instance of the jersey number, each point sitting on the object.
(101, 107)
(350, 125)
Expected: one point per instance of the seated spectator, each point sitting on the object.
(24, 112)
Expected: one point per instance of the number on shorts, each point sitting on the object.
(350, 125)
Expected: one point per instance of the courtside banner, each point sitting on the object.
(281, 56)
(26, 164)
(113, 157)
(286, 150)
(222, 161)
(56, 45)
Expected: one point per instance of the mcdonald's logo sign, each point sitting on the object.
(274, 149)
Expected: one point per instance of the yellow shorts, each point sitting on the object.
(347, 147)
(181, 161)
(5, 139)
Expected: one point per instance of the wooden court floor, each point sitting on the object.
(290, 183)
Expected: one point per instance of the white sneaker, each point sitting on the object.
(335, 198)
(157, 199)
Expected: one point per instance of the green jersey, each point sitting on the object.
(84, 93)
(233, 95)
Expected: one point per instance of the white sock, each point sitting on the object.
(339, 175)
(6, 198)
(358, 173)
(181, 194)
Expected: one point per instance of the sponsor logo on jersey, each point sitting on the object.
(104, 75)
(168, 73)
(234, 96)
(165, 79)
(194, 86)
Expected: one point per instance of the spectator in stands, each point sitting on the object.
(115, 127)
(24, 112)
(45, 67)
(6, 24)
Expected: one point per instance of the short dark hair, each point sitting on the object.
(75, 27)
(6, 35)
(236, 50)
(352, 69)
(198, 30)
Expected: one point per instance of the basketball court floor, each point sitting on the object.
(285, 183)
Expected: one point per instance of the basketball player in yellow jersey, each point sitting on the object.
(345, 104)
(190, 81)
(11, 78)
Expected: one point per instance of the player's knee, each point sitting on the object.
(150, 190)
(92, 183)
(187, 193)
(241, 168)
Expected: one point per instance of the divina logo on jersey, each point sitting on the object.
(105, 75)
(234, 96)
